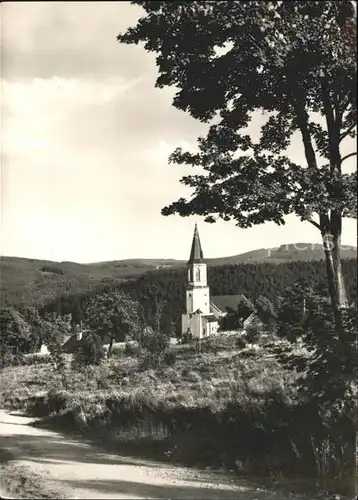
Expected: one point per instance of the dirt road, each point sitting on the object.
(47, 464)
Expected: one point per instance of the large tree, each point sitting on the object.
(112, 316)
(293, 61)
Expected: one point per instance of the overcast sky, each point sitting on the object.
(86, 139)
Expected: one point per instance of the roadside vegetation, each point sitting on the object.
(266, 402)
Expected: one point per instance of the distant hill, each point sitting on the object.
(284, 253)
(31, 281)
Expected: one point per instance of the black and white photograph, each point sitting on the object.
(178, 271)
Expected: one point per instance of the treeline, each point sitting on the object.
(165, 289)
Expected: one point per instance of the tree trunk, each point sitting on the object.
(331, 240)
(330, 229)
(336, 222)
(330, 268)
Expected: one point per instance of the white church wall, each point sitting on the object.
(184, 323)
(196, 322)
(198, 298)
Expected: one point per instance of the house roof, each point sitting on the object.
(70, 344)
(210, 318)
(66, 338)
(196, 253)
(227, 302)
(253, 319)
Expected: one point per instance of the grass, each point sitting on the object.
(224, 407)
(18, 481)
(207, 379)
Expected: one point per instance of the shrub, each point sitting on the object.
(169, 357)
(132, 349)
(9, 359)
(241, 343)
(89, 351)
(36, 359)
(52, 269)
(157, 352)
(253, 333)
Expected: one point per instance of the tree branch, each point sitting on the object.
(348, 156)
(315, 224)
(342, 136)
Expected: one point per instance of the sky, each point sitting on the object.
(85, 145)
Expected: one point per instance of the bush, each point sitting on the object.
(36, 359)
(157, 352)
(89, 351)
(9, 359)
(52, 269)
(170, 357)
(253, 333)
(132, 349)
(241, 343)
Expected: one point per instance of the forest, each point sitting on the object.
(167, 288)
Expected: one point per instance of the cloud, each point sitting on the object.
(70, 39)
(86, 138)
(36, 113)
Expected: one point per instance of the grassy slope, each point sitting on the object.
(208, 379)
(133, 412)
(23, 281)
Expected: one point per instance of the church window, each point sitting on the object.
(198, 274)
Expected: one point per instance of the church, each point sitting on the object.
(203, 313)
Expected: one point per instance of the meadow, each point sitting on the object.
(231, 406)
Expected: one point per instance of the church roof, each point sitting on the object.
(210, 318)
(196, 253)
(225, 302)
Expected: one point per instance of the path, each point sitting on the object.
(78, 470)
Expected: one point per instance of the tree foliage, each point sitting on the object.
(295, 63)
(112, 316)
(89, 351)
(53, 328)
(15, 336)
(326, 359)
(265, 309)
(286, 58)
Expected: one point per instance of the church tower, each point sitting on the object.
(197, 291)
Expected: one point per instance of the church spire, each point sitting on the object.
(196, 254)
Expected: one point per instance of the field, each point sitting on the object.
(226, 407)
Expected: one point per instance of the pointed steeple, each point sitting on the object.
(196, 254)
